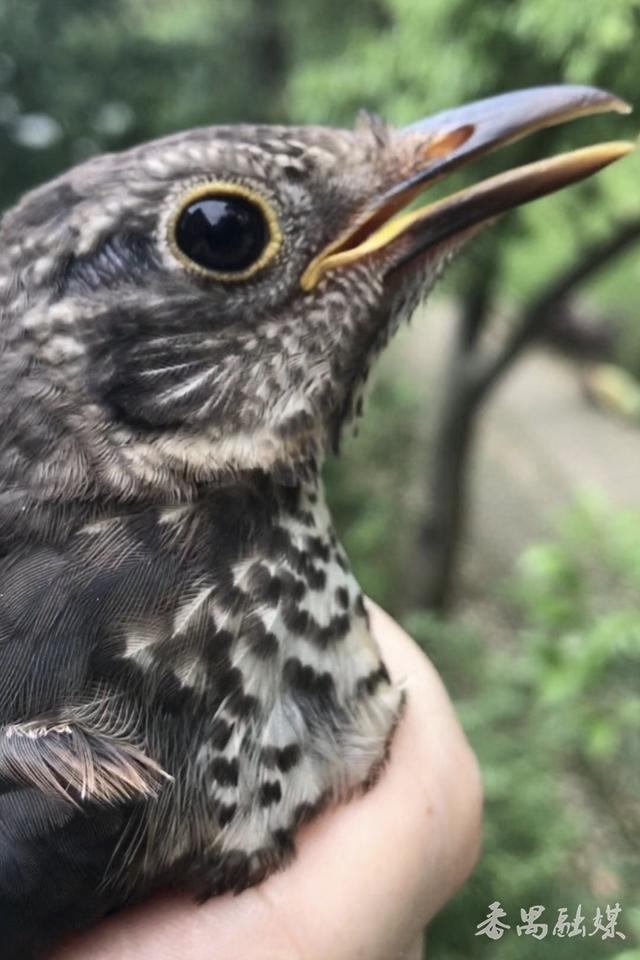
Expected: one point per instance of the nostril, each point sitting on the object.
(445, 143)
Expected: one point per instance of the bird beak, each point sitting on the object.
(447, 141)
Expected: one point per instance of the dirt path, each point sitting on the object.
(541, 444)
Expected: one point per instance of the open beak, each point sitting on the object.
(449, 140)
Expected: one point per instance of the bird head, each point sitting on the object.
(210, 303)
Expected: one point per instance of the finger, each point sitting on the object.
(434, 748)
(416, 950)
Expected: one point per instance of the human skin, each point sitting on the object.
(368, 876)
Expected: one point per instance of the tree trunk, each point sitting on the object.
(441, 534)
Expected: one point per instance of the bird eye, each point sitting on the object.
(225, 232)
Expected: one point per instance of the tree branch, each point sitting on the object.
(537, 313)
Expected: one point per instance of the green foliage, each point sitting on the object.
(102, 76)
(551, 706)
(587, 655)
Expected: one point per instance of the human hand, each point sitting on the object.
(368, 876)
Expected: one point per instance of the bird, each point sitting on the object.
(187, 673)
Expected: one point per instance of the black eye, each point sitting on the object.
(225, 234)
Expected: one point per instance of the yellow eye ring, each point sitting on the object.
(224, 231)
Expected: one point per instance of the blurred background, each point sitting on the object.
(491, 500)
